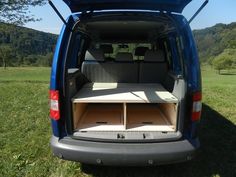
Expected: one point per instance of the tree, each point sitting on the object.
(5, 54)
(17, 11)
(213, 41)
(45, 60)
(225, 60)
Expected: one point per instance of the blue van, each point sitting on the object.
(125, 84)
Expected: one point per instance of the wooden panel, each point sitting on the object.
(125, 117)
(123, 93)
(125, 114)
(147, 117)
(102, 117)
(170, 111)
(78, 111)
(141, 113)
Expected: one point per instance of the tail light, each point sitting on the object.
(54, 104)
(197, 106)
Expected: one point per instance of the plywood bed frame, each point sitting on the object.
(124, 107)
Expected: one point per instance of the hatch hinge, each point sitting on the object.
(198, 11)
(57, 12)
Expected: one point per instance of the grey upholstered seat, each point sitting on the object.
(154, 67)
(98, 70)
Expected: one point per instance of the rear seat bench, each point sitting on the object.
(96, 69)
(124, 70)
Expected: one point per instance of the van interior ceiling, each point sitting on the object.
(125, 81)
(127, 29)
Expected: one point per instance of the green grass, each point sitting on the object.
(31, 74)
(25, 131)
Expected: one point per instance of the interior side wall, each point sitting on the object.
(170, 112)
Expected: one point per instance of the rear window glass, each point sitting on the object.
(124, 47)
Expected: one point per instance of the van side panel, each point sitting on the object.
(54, 82)
(191, 57)
(193, 71)
(54, 71)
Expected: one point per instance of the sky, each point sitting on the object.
(216, 11)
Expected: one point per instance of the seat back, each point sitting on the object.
(154, 67)
(98, 70)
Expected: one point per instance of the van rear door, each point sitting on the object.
(160, 5)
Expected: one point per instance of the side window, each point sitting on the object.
(76, 51)
(176, 51)
(180, 47)
(125, 47)
(73, 51)
(80, 51)
(81, 47)
(168, 54)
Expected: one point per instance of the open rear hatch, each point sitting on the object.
(127, 111)
(160, 5)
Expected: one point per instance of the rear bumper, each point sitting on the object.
(127, 154)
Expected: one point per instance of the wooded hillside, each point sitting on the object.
(25, 46)
(212, 41)
(22, 46)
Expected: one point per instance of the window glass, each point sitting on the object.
(124, 47)
(180, 47)
(168, 54)
(176, 64)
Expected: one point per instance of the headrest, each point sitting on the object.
(140, 51)
(154, 56)
(124, 56)
(106, 48)
(94, 55)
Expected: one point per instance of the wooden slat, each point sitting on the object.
(125, 114)
(78, 111)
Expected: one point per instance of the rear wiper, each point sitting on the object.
(198, 11)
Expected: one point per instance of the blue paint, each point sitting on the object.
(55, 128)
(57, 72)
(53, 82)
(56, 77)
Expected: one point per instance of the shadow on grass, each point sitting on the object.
(228, 74)
(216, 157)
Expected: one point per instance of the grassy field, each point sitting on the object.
(25, 131)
